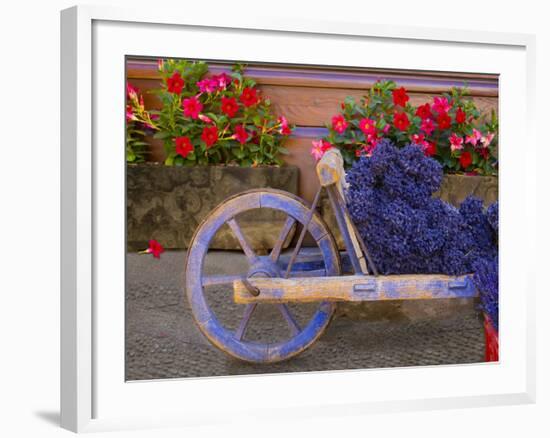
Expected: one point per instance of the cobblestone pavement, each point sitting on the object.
(162, 340)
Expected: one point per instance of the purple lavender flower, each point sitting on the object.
(406, 229)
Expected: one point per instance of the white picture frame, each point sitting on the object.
(93, 396)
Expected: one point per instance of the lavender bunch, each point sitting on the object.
(406, 229)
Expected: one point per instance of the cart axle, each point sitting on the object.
(354, 288)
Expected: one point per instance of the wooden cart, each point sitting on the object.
(284, 281)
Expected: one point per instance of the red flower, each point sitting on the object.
(443, 121)
(424, 111)
(460, 116)
(339, 123)
(285, 129)
(430, 150)
(484, 152)
(401, 121)
(249, 96)
(230, 106)
(183, 146)
(155, 248)
(240, 134)
(210, 136)
(192, 107)
(368, 126)
(175, 83)
(427, 126)
(400, 96)
(465, 159)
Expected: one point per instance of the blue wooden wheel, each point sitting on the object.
(233, 338)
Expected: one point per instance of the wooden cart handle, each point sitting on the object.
(330, 168)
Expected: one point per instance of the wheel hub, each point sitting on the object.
(265, 267)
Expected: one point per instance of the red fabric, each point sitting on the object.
(491, 341)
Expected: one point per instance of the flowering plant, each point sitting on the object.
(137, 121)
(211, 119)
(450, 128)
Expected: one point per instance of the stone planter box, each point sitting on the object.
(168, 203)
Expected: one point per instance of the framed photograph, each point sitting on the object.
(316, 227)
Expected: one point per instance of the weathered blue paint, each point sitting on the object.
(229, 340)
(305, 338)
(355, 288)
(362, 288)
(342, 226)
(312, 264)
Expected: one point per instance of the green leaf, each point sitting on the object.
(162, 135)
(283, 150)
(169, 160)
(239, 153)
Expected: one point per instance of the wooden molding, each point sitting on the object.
(416, 81)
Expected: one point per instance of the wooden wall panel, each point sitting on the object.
(310, 106)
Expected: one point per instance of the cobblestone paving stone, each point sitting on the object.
(162, 340)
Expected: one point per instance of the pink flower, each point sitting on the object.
(208, 85)
(386, 128)
(319, 148)
(366, 150)
(486, 141)
(131, 91)
(240, 134)
(427, 126)
(420, 140)
(456, 142)
(284, 129)
(368, 126)
(372, 140)
(192, 107)
(474, 138)
(130, 113)
(205, 119)
(339, 123)
(441, 105)
(223, 80)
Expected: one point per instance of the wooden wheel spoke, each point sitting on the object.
(244, 321)
(287, 227)
(214, 280)
(293, 325)
(249, 252)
